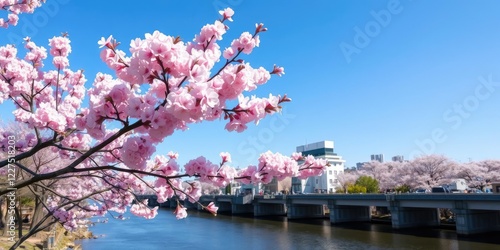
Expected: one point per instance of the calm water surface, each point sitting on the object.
(201, 230)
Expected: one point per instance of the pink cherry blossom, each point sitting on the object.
(59, 46)
(141, 209)
(227, 13)
(245, 43)
(15, 8)
(136, 151)
(105, 42)
(212, 208)
(278, 70)
(226, 157)
(173, 155)
(193, 191)
(180, 212)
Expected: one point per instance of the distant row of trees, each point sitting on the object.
(422, 172)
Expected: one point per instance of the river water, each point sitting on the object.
(201, 230)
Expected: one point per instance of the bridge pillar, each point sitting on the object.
(341, 213)
(263, 209)
(297, 211)
(470, 221)
(406, 217)
(199, 207)
(224, 207)
(152, 202)
(172, 203)
(190, 205)
(242, 208)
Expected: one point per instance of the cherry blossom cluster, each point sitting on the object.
(181, 211)
(275, 165)
(16, 7)
(22, 140)
(271, 165)
(60, 49)
(182, 87)
(310, 166)
(44, 100)
(245, 43)
(67, 218)
(167, 189)
(141, 209)
(136, 151)
(73, 218)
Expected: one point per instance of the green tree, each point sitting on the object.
(369, 183)
(355, 189)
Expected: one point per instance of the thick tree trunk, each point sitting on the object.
(19, 221)
(37, 214)
(3, 215)
(42, 225)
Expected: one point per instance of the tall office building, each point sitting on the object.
(359, 165)
(327, 182)
(399, 158)
(378, 157)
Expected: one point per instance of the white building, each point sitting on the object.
(327, 182)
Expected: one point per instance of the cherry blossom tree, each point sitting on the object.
(384, 173)
(107, 148)
(476, 174)
(424, 171)
(345, 179)
(431, 170)
(394, 179)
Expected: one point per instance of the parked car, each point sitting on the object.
(475, 191)
(440, 189)
(421, 191)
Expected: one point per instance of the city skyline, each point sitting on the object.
(396, 77)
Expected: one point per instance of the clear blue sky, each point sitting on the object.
(403, 84)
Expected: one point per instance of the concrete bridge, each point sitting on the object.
(474, 213)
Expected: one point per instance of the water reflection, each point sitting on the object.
(201, 230)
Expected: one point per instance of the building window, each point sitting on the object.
(331, 181)
(335, 172)
(317, 181)
(329, 172)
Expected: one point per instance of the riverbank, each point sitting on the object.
(62, 239)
